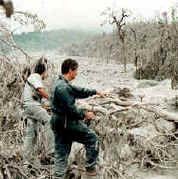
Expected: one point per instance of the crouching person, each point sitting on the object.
(67, 121)
(36, 115)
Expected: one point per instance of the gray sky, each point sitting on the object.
(86, 13)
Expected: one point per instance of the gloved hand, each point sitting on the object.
(46, 107)
(46, 104)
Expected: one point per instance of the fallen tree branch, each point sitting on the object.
(161, 113)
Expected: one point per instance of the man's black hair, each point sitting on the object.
(41, 66)
(68, 64)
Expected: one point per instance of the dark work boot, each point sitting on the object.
(91, 171)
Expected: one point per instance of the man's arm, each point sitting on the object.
(64, 97)
(35, 81)
(43, 93)
(80, 93)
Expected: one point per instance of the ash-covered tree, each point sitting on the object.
(118, 18)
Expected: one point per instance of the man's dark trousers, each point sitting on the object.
(73, 131)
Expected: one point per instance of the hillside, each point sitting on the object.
(51, 40)
(151, 46)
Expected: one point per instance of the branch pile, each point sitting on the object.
(131, 133)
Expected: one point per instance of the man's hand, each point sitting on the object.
(89, 115)
(43, 93)
(47, 107)
(102, 94)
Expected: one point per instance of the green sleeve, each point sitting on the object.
(80, 93)
(64, 97)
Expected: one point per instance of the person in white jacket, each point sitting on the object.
(36, 115)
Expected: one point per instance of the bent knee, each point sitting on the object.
(92, 137)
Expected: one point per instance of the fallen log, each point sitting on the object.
(170, 116)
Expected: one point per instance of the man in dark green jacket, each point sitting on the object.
(67, 120)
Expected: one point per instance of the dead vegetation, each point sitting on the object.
(151, 46)
(135, 134)
(131, 133)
